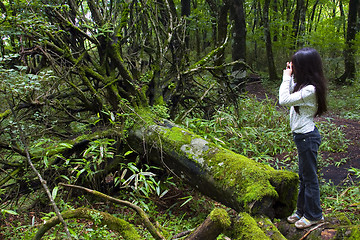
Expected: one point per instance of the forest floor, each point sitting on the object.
(337, 173)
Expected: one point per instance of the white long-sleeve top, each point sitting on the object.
(305, 98)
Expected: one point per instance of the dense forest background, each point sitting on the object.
(80, 79)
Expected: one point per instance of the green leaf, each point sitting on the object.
(66, 145)
(65, 177)
(133, 168)
(79, 173)
(127, 153)
(3, 211)
(188, 199)
(46, 162)
(54, 192)
(163, 193)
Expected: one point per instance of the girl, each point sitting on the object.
(307, 99)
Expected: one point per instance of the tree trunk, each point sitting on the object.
(222, 31)
(275, 19)
(269, 228)
(232, 179)
(299, 19)
(185, 8)
(269, 53)
(239, 44)
(342, 14)
(312, 16)
(349, 53)
(239, 32)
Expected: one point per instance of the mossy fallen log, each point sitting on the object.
(232, 179)
(244, 227)
(217, 221)
(113, 223)
(269, 228)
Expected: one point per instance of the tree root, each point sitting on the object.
(312, 229)
(151, 228)
(113, 223)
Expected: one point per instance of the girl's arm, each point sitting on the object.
(303, 97)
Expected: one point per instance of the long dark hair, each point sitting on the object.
(308, 70)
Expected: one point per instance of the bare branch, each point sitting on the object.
(77, 29)
(196, 103)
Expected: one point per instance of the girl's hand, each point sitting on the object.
(288, 70)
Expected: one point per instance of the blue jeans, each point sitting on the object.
(308, 203)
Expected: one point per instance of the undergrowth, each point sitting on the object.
(255, 129)
(260, 130)
(344, 100)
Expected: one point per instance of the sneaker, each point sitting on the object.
(305, 223)
(293, 218)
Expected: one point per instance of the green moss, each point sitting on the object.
(269, 228)
(159, 100)
(5, 114)
(245, 227)
(143, 114)
(206, 59)
(286, 182)
(347, 232)
(220, 216)
(343, 219)
(249, 178)
(95, 74)
(172, 137)
(355, 233)
(124, 19)
(117, 224)
(178, 135)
